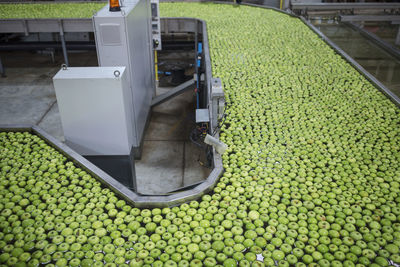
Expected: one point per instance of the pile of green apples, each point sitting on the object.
(312, 174)
(49, 10)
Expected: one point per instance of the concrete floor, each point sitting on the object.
(168, 155)
(169, 161)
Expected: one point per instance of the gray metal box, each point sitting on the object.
(217, 101)
(95, 107)
(124, 39)
(202, 115)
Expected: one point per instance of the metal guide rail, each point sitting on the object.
(395, 19)
(27, 26)
(375, 39)
(344, 6)
(394, 98)
(60, 26)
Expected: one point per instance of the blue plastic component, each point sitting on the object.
(199, 51)
(165, 73)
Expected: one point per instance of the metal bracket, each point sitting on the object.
(374, 38)
(189, 85)
(392, 18)
(202, 115)
(217, 102)
(26, 29)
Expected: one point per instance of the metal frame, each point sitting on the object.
(395, 99)
(27, 26)
(384, 45)
(156, 24)
(2, 71)
(217, 102)
(392, 18)
(397, 41)
(342, 6)
(45, 2)
(180, 89)
(60, 26)
(198, 27)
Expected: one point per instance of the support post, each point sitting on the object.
(286, 4)
(2, 70)
(196, 67)
(397, 42)
(63, 44)
(188, 85)
(374, 38)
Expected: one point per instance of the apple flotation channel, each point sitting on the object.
(311, 170)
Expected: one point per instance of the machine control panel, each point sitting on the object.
(155, 24)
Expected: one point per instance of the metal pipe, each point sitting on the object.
(341, 6)
(64, 46)
(156, 65)
(2, 70)
(392, 18)
(47, 2)
(188, 46)
(76, 45)
(395, 99)
(378, 41)
(43, 45)
(196, 42)
(397, 42)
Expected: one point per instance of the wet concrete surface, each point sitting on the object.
(167, 147)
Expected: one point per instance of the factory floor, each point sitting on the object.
(169, 160)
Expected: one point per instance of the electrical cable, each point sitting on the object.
(220, 122)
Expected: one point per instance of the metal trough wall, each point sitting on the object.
(77, 159)
(137, 200)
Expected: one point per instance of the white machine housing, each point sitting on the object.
(124, 38)
(95, 107)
